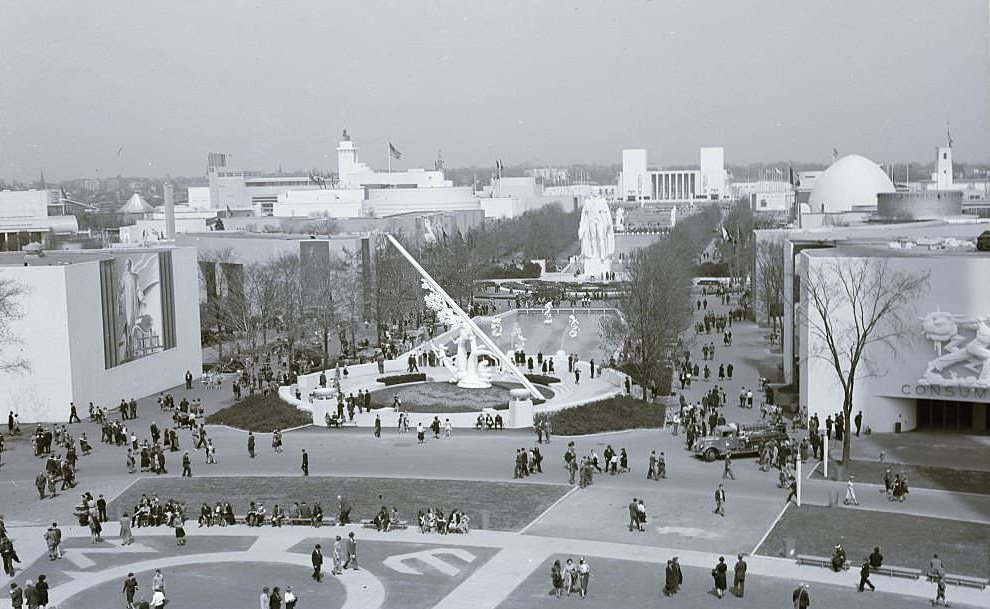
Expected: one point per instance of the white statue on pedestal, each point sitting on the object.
(547, 313)
(597, 234)
(518, 340)
(620, 220)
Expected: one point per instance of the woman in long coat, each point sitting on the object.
(718, 573)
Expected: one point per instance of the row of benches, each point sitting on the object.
(894, 571)
(326, 520)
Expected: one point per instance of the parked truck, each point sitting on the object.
(740, 438)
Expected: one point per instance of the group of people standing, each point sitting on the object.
(570, 577)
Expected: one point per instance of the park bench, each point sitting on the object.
(892, 571)
(400, 525)
(326, 520)
(809, 559)
(966, 580)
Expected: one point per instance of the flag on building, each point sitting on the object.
(498, 165)
(948, 135)
(394, 152)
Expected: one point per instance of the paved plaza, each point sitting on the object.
(504, 562)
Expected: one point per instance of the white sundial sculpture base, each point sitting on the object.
(470, 364)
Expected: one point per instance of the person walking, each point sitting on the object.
(719, 575)
(939, 592)
(305, 463)
(864, 576)
(338, 557)
(290, 598)
(186, 465)
(584, 575)
(720, 501)
(556, 579)
(727, 470)
(634, 515)
(41, 590)
(317, 559)
(263, 599)
(211, 452)
(130, 588)
(801, 597)
(73, 415)
(351, 551)
(51, 540)
(674, 578)
(378, 426)
(275, 600)
(16, 596)
(850, 493)
(126, 537)
(739, 577)
(250, 444)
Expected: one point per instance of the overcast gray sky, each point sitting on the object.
(542, 81)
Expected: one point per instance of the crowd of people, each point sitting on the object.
(433, 520)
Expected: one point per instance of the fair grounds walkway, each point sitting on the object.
(226, 567)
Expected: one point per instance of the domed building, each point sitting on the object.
(849, 182)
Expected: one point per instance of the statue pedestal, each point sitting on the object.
(520, 409)
(473, 383)
(324, 402)
(596, 268)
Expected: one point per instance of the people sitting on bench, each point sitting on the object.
(838, 558)
(382, 520)
(255, 515)
(294, 512)
(317, 514)
(876, 558)
(278, 516)
(333, 421)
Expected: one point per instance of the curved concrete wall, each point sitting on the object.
(919, 205)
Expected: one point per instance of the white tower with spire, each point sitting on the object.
(943, 168)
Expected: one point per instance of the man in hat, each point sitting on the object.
(16, 596)
(351, 551)
(317, 558)
(801, 597)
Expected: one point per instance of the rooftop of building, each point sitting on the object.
(952, 226)
(928, 248)
(38, 257)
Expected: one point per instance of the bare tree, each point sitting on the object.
(397, 292)
(851, 306)
(10, 310)
(770, 272)
(287, 278)
(654, 312)
(350, 293)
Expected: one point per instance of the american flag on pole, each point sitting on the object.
(394, 152)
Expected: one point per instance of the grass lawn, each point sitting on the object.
(906, 541)
(511, 505)
(613, 414)
(922, 476)
(260, 413)
(438, 397)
